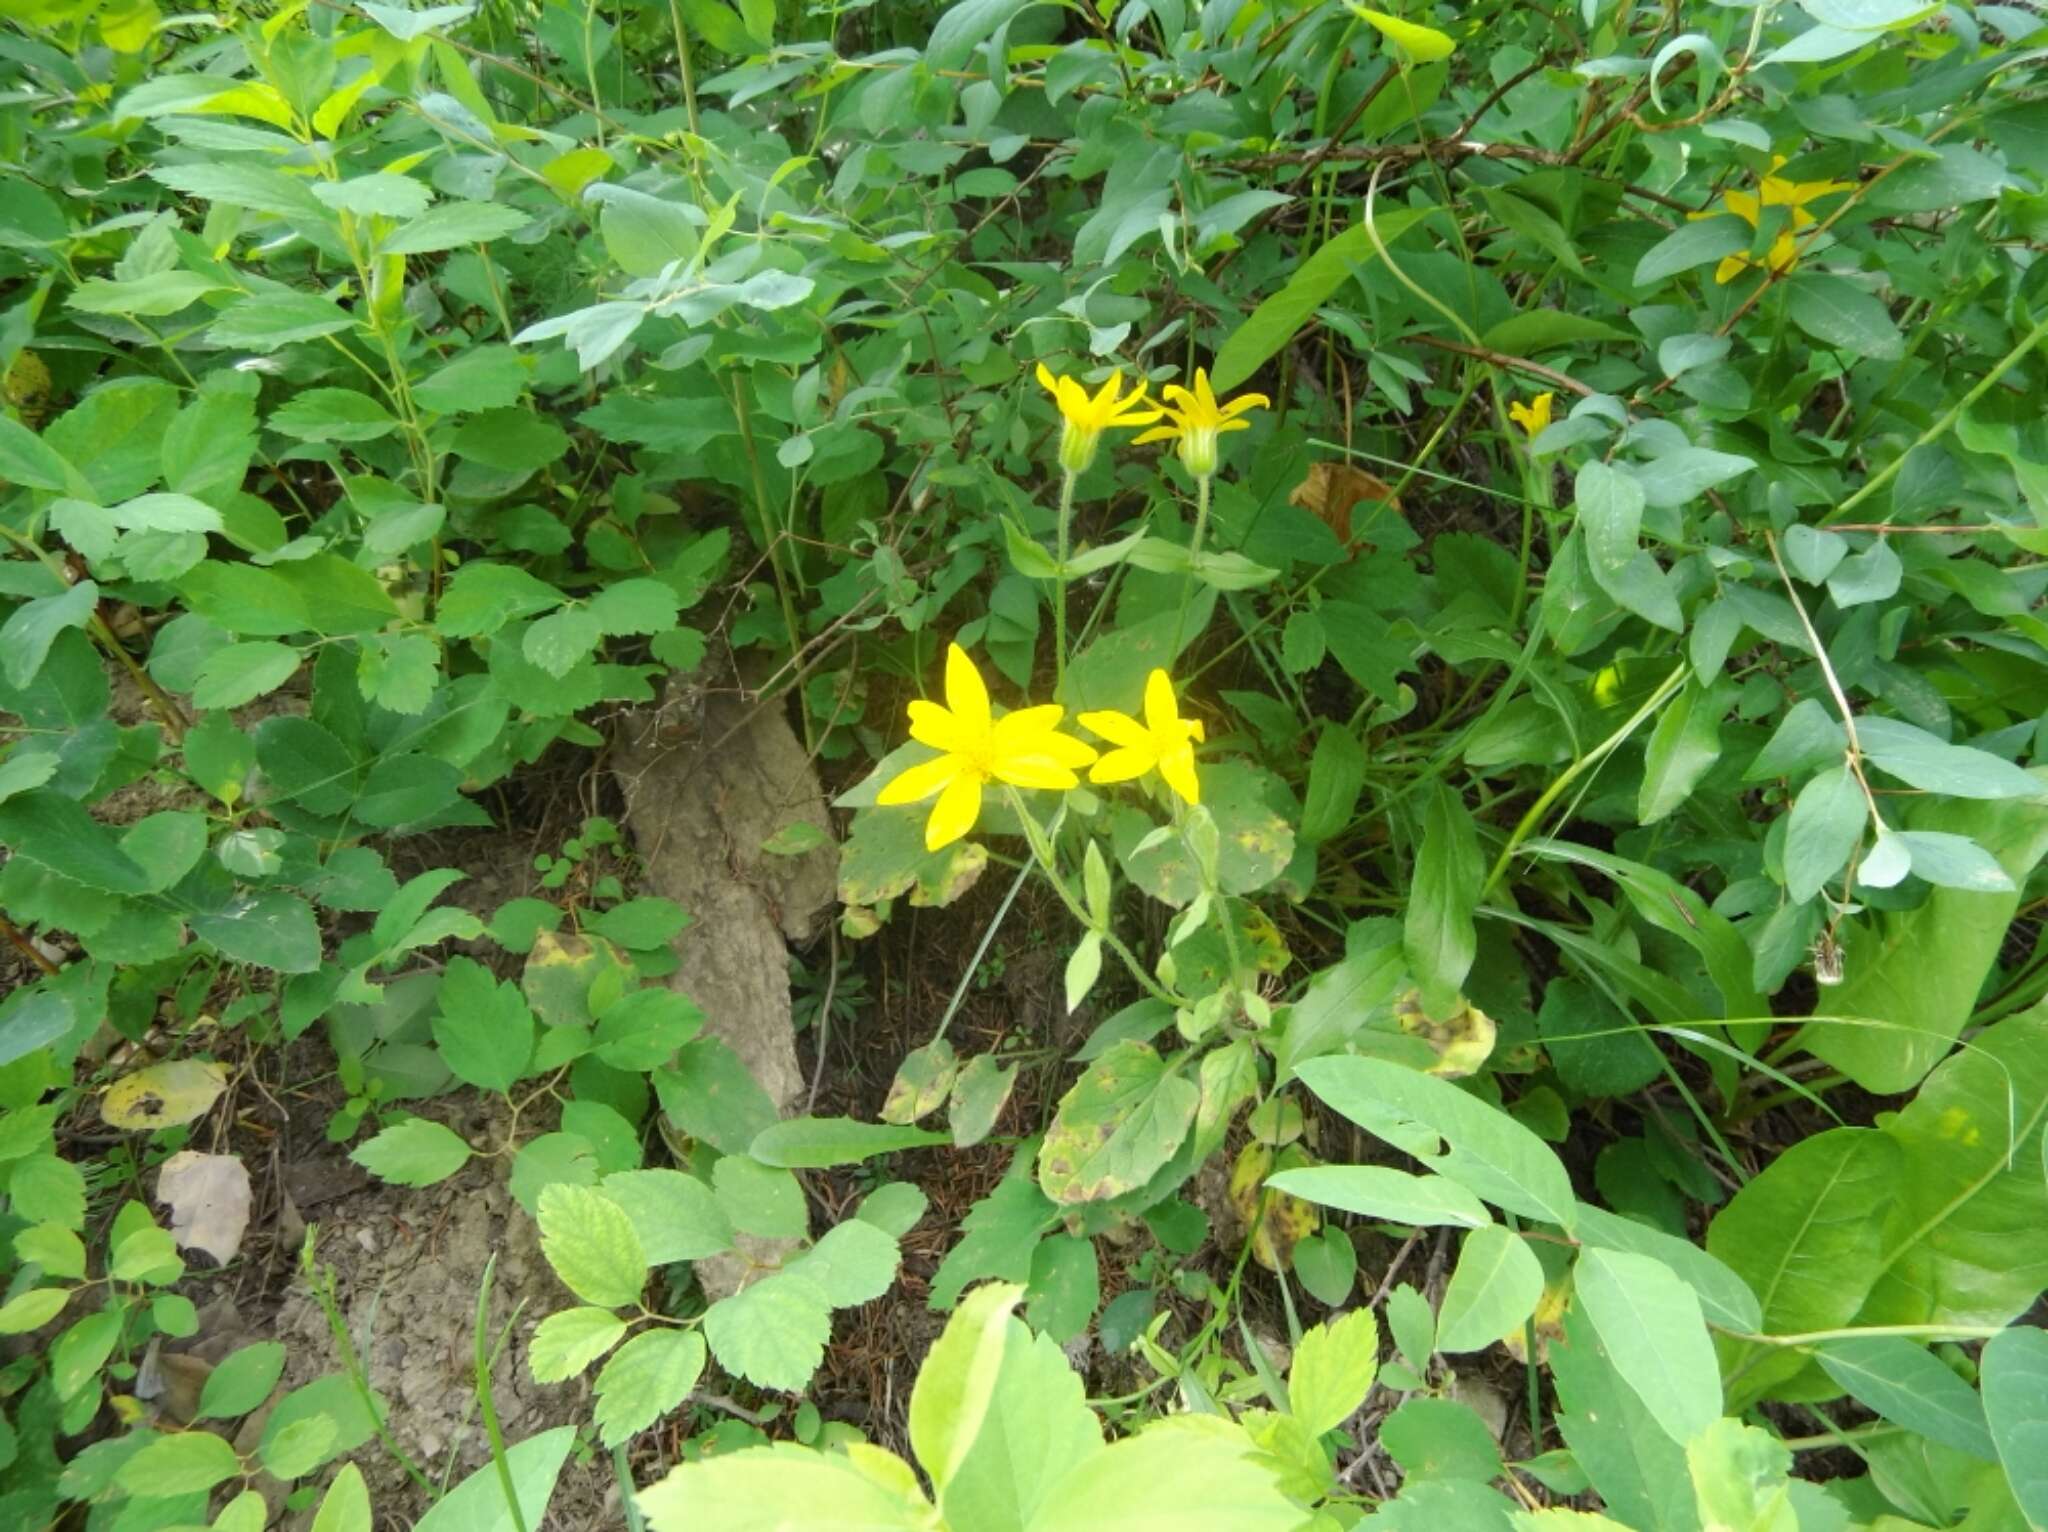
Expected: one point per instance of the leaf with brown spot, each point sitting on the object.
(163, 1095)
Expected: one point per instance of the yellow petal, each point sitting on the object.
(1203, 391)
(1157, 434)
(1245, 402)
(1161, 716)
(1729, 269)
(1744, 205)
(1121, 766)
(1179, 397)
(1031, 770)
(1117, 728)
(955, 812)
(965, 695)
(921, 781)
(1064, 748)
(1105, 398)
(1017, 730)
(1047, 381)
(932, 725)
(1177, 770)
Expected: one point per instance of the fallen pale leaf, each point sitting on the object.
(163, 1095)
(209, 1198)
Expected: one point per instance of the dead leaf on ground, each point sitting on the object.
(209, 1198)
(163, 1095)
(1332, 491)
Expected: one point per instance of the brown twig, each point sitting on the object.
(26, 948)
(1502, 359)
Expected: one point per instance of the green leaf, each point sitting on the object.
(1440, 1439)
(592, 1245)
(676, 1216)
(1933, 765)
(1724, 1297)
(1336, 776)
(1651, 1325)
(1965, 1240)
(773, 1333)
(962, 28)
(1538, 330)
(182, 1464)
(1692, 244)
(2014, 1368)
(816, 1143)
(1120, 1122)
(1188, 1471)
(635, 607)
(1437, 933)
(407, 789)
(242, 1381)
(853, 1264)
(1065, 1288)
(1806, 1236)
(565, 1343)
(155, 295)
(477, 1504)
(55, 832)
(1380, 1191)
(333, 415)
(1917, 973)
(1740, 1475)
(1827, 822)
(643, 1029)
(1682, 749)
(1909, 1386)
(1036, 1425)
(415, 1152)
(1276, 320)
(454, 224)
(760, 1199)
(346, 1505)
(1640, 1472)
(956, 1385)
(29, 461)
(482, 598)
(241, 673)
(1333, 1370)
(1457, 1134)
(271, 321)
(649, 1376)
(482, 1028)
(33, 1309)
(760, 1489)
(1838, 313)
(32, 627)
(269, 928)
(1493, 1289)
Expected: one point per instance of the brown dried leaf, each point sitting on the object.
(209, 1198)
(1332, 491)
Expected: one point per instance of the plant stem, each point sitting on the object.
(486, 1403)
(1041, 848)
(1187, 587)
(1059, 599)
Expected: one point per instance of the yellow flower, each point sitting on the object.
(1024, 748)
(1534, 416)
(1772, 191)
(1195, 420)
(1084, 417)
(1164, 742)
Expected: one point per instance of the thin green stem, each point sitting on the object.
(1187, 588)
(487, 1404)
(1941, 427)
(1059, 598)
(1534, 818)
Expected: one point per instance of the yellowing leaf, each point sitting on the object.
(570, 173)
(163, 1095)
(1423, 45)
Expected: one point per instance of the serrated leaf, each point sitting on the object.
(564, 1344)
(415, 1152)
(592, 1245)
(773, 1333)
